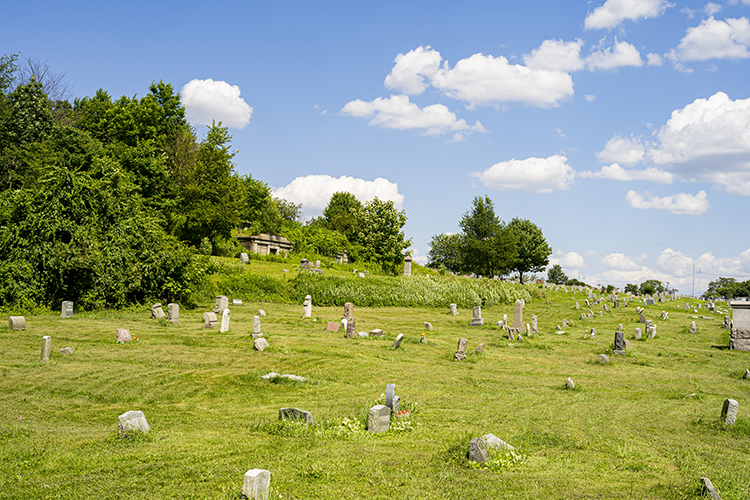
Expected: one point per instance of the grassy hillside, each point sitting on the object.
(644, 426)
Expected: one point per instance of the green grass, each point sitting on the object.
(644, 426)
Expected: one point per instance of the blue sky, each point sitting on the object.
(620, 127)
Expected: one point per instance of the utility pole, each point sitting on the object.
(693, 279)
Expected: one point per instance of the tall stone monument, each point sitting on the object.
(740, 333)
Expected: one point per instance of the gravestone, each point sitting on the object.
(307, 307)
(377, 332)
(746, 376)
(225, 321)
(397, 342)
(256, 324)
(332, 327)
(648, 324)
(453, 309)
(727, 323)
(651, 331)
(428, 326)
(256, 485)
(362, 335)
(16, 323)
(564, 323)
(261, 313)
(534, 324)
(46, 349)
(627, 344)
(578, 305)
(67, 351)
(518, 314)
(493, 442)
(619, 327)
(157, 312)
(122, 335)
(317, 264)
(693, 328)
(649, 302)
(509, 331)
(461, 351)
(222, 302)
(407, 266)
(505, 319)
(390, 395)
(260, 344)
(588, 304)
(361, 275)
(583, 317)
(295, 414)
(642, 318)
(476, 318)
(348, 310)
(132, 421)
(729, 411)
(606, 308)
(480, 348)
(477, 451)
(244, 258)
(500, 324)
(173, 312)
(593, 333)
(740, 326)
(603, 358)
(619, 342)
(304, 264)
(569, 384)
(638, 334)
(209, 319)
(67, 309)
(351, 330)
(664, 315)
(379, 419)
(708, 489)
(236, 302)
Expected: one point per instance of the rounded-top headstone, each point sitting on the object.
(603, 358)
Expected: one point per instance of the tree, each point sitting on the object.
(727, 287)
(383, 240)
(631, 288)
(445, 252)
(533, 250)
(556, 275)
(487, 246)
(649, 287)
(343, 214)
(288, 210)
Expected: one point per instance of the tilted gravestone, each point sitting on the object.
(708, 489)
(295, 414)
(480, 348)
(67, 309)
(428, 326)
(132, 421)
(693, 328)
(392, 401)
(332, 327)
(729, 411)
(173, 312)
(379, 419)
(256, 485)
(477, 451)
(123, 335)
(461, 351)
(262, 313)
(569, 384)
(534, 324)
(225, 321)
(16, 323)
(603, 358)
(157, 312)
(209, 319)
(642, 318)
(67, 351)
(578, 305)
(397, 342)
(260, 344)
(46, 349)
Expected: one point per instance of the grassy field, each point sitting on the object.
(644, 426)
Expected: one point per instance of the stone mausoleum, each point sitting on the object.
(266, 244)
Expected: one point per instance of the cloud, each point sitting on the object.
(537, 175)
(712, 8)
(407, 75)
(613, 12)
(399, 113)
(627, 151)
(570, 260)
(486, 80)
(619, 262)
(713, 39)
(615, 172)
(315, 191)
(556, 55)
(654, 59)
(418, 257)
(681, 203)
(589, 97)
(207, 100)
(622, 54)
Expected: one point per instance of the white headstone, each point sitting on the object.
(256, 324)
(257, 484)
(132, 421)
(46, 348)
(225, 321)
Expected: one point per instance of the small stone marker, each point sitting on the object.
(348, 310)
(16, 323)
(273, 375)
(157, 312)
(351, 331)
(729, 411)
(362, 335)
(132, 421)
(295, 414)
(390, 395)
(593, 333)
(67, 309)
(476, 319)
(344, 322)
(564, 323)
(173, 312)
(578, 305)
(746, 376)
(256, 484)
(477, 451)
(619, 327)
(461, 351)
(534, 324)
(603, 358)
(453, 309)
(379, 419)
(377, 332)
(46, 348)
(397, 342)
(236, 302)
(317, 264)
(360, 275)
(664, 315)
(708, 489)
(332, 327)
(428, 326)
(209, 320)
(651, 331)
(693, 328)
(260, 344)
(244, 258)
(569, 384)
(627, 344)
(225, 321)
(493, 442)
(307, 307)
(642, 318)
(727, 323)
(638, 334)
(123, 335)
(261, 313)
(480, 348)
(256, 324)
(67, 351)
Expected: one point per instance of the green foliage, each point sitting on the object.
(343, 214)
(381, 237)
(445, 253)
(649, 287)
(289, 211)
(556, 275)
(314, 239)
(631, 288)
(261, 214)
(533, 250)
(728, 288)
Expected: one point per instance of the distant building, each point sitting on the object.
(266, 244)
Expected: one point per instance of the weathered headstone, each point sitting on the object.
(67, 351)
(244, 258)
(260, 344)
(407, 266)
(534, 324)
(619, 341)
(307, 307)
(651, 331)
(295, 414)
(476, 319)
(256, 324)
(564, 323)
(727, 323)
(461, 351)
(477, 451)
(362, 335)
(729, 411)
(236, 302)
(390, 395)
(173, 312)
(67, 309)
(746, 376)
(428, 326)
(693, 328)
(638, 334)
(379, 419)
(209, 319)
(132, 421)
(480, 348)
(453, 309)
(348, 310)
(304, 264)
(603, 358)
(351, 330)
(344, 322)
(493, 442)
(46, 349)
(627, 344)
(740, 326)
(518, 314)
(664, 315)
(397, 342)
(569, 384)
(157, 312)
(256, 484)
(708, 489)
(16, 323)
(593, 333)
(642, 318)
(377, 332)
(578, 306)
(332, 327)
(222, 302)
(225, 321)
(123, 335)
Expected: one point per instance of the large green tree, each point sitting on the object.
(533, 250)
(343, 214)
(445, 253)
(555, 274)
(381, 234)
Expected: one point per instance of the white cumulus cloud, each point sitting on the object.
(209, 100)
(627, 151)
(613, 12)
(619, 261)
(681, 203)
(622, 54)
(537, 175)
(654, 59)
(556, 55)
(315, 191)
(678, 264)
(398, 112)
(615, 172)
(714, 39)
(409, 72)
(569, 260)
